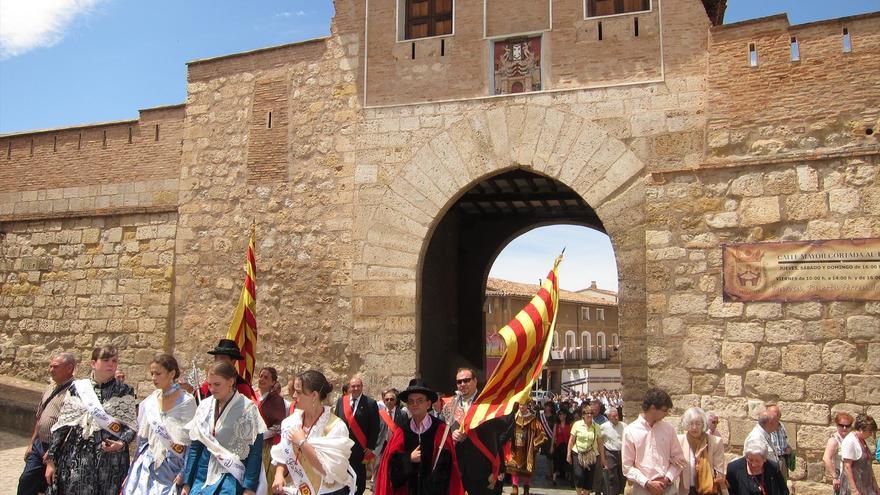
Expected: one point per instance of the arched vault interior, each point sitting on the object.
(463, 246)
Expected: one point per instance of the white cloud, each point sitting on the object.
(29, 24)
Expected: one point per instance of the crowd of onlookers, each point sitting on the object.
(225, 436)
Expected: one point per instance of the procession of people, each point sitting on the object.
(221, 437)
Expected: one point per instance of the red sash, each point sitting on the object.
(386, 417)
(354, 426)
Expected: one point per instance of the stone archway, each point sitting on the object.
(488, 139)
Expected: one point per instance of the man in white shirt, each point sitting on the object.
(650, 453)
(612, 437)
(768, 422)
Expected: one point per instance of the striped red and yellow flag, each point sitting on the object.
(529, 336)
(243, 329)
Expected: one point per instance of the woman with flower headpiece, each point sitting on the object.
(163, 440)
(89, 450)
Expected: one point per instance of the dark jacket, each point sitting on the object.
(742, 484)
(367, 416)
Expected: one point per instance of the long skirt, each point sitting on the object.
(144, 479)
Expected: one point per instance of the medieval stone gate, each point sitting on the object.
(360, 157)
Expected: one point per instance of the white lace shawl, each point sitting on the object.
(174, 420)
(332, 447)
(74, 412)
(236, 430)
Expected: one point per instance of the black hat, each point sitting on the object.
(417, 386)
(227, 347)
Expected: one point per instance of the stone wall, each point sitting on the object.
(811, 358)
(298, 191)
(77, 283)
(346, 199)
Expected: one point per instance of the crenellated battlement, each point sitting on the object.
(112, 152)
(774, 86)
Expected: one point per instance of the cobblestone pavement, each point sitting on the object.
(12, 447)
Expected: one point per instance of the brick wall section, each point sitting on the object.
(268, 146)
(74, 284)
(276, 57)
(573, 56)
(79, 156)
(826, 100)
(530, 16)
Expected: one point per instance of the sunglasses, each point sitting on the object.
(839, 425)
(463, 381)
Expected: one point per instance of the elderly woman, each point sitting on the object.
(857, 477)
(704, 473)
(754, 474)
(833, 463)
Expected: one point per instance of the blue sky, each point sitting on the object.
(70, 62)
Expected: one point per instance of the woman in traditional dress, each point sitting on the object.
(857, 477)
(705, 471)
(89, 450)
(312, 456)
(833, 463)
(273, 411)
(585, 444)
(225, 456)
(162, 436)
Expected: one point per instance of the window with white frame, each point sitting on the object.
(600, 314)
(585, 313)
(599, 8)
(601, 344)
(570, 345)
(615, 341)
(586, 345)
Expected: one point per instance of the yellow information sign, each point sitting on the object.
(833, 270)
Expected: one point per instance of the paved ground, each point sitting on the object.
(13, 445)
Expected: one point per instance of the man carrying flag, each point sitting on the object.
(488, 421)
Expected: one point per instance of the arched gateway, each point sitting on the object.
(496, 172)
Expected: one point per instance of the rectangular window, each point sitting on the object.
(795, 50)
(600, 314)
(597, 8)
(753, 55)
(425, 18)
(847, 41)
(585, 313)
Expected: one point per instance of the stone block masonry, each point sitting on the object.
(78, 283)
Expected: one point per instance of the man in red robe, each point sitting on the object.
(419, 459)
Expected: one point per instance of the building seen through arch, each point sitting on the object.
(581, 358)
